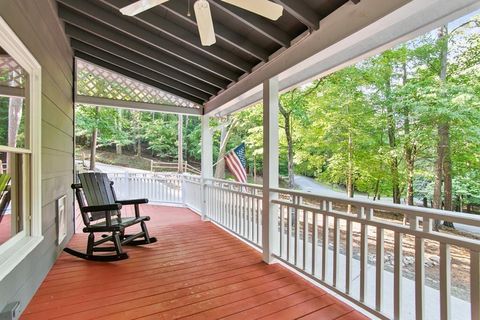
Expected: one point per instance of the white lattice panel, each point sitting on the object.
(11, 73)
(95, 81)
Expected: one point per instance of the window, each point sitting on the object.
(20, 120)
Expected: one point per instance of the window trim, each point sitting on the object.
(18, 247)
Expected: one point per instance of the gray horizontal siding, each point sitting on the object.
(37, 25)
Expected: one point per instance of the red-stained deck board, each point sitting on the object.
(195, 271)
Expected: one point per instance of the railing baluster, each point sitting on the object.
(348, 257)
(325, 240)
(295, 214)
(475, 284)
(305, 238)
(259, 221)
(379, 268)
(314, 242)
(445, 277)
(419, 278)
(249, 217)
(289, 232)
(336, 249)
(363, 256)
(280, 208)
(397, 274)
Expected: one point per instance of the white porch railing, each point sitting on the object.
(356, 248)
(191, 192)
(237, 207)
(165, 188)
(343, 243)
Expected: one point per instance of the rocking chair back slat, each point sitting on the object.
(98, 191)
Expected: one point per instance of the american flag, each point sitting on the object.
(237, 163)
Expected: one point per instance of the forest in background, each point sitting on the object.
(403, 124)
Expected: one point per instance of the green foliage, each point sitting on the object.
(355, 123)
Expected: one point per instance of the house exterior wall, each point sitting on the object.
(37, 25)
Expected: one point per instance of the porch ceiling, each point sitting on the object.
(163, 45)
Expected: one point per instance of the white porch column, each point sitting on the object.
(180, 143)
(207, 161)
(270, 166)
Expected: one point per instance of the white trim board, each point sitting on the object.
(348, 35)
(144, 106)
(19, 246)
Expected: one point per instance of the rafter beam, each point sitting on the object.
(104, 16)
(182, 35)
(255, 22)
(223, 33)
(131, 56)
(108, 34)
(135, 76)
(301, 12)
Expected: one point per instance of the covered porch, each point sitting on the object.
(226, 249)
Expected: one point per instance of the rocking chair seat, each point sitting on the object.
(117, 224)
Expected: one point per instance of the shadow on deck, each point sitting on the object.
(195, 271)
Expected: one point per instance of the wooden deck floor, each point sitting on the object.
(195, 271)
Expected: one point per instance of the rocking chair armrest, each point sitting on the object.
(107, 207)
(132, 201)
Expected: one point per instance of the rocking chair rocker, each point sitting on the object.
(97, 201)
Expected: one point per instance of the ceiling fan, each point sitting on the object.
(203, 14)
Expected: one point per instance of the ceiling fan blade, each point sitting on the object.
(204, 22)
(140, 6)
(263, 8)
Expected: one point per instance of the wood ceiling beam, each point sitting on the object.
(104, 16)
(179, 8)
(100, 30)
(255, 22)
(187, 38)
(85, 37)
(168, 83)
(301, 12)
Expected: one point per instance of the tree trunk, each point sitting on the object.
(93, 144)
(350, 178)
(409, 147)
(287, 117)
(443, 136)
(139, 147)
(447, 176)
(442, 130)
(391, 130)
(288, 134)
(224, 137)
(118, 147)
(137, 130)
(377, 190)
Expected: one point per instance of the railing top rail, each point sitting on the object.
(250, 185)
(412, 211)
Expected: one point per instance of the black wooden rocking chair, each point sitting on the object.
(97, 201)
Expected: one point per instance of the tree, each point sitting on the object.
(291, 106)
